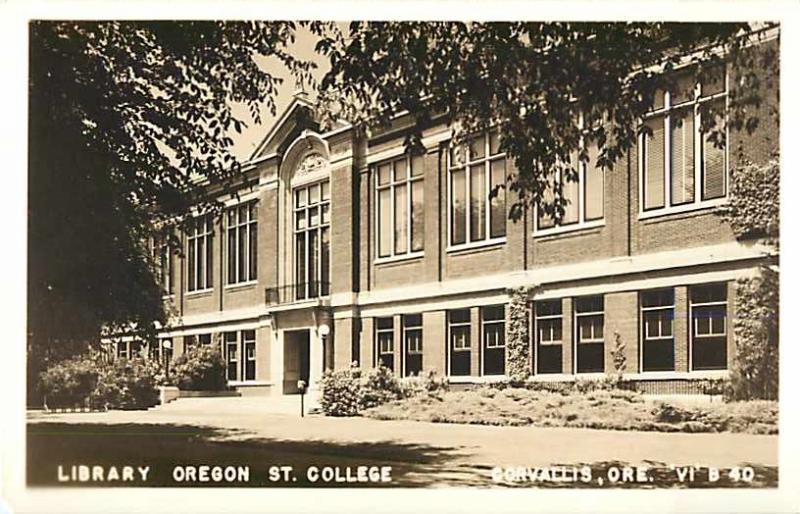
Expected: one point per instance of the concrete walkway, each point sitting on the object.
(278, 419)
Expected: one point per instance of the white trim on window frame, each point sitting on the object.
(693, 324)
(391, 186)
(248, 242)
(698, 203)
(487, 159)
(576, 333)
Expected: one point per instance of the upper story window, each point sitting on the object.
(475, 170)
(583, 197)
(164, 259)
(199, 253)
(400, 191)
(166, 270)
(679, 166)
(312, 243)
(242, 234)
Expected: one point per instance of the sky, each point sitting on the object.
(303, 48)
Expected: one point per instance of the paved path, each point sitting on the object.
(473, 446)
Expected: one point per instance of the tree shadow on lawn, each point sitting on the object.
(164, 446)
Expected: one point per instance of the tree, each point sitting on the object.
(551, 86)
(125, 119)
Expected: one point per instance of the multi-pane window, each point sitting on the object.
(384, 340)
(312, 247)
(412, 341)
(590, 347)
(583, 198)
(242, 234)
(199, 253)
(493, 333)
(239, 349)
(249, 351)
(658, 341)
(191, 342)
(400, 190)
(709, 318)
(122, 349)
(231, 341)
(165, 266)
(458, 328)
(549, 320)
(679, 164)
(477, 170)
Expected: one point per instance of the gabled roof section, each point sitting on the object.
(298, 116)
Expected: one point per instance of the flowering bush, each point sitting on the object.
(200, 369)
(89, 380)
(348, 392)
(69, 383)
(126, 384)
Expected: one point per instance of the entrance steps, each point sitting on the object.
(285, 404)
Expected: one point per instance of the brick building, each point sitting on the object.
(339, 248)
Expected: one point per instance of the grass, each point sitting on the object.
(612, 409)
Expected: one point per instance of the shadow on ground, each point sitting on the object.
(164, 446)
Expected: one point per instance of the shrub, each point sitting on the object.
(341, 392)
(200, 369)
(89, 380)
(69, 383)
(126, 384)
(348, 392)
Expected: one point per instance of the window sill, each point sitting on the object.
(682, 209)
(241, 285)
(466, 247)
(399, 258)
(569, 229)
(199, 292)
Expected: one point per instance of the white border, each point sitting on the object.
(13, 22)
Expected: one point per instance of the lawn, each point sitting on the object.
(604, 409)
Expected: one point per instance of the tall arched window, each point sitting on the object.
(312, 218)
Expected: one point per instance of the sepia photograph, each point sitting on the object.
(402, 254)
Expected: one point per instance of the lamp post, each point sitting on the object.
(166, 345)
(324, 331)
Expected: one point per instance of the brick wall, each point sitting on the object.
(622, 316)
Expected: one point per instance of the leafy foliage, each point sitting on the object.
(69, 383)
(755, 331)
(126, 384)
(126, 119)
(618, 354)
(200, 369)
(349, 392)
(549, 85)
(518, 358)
(753, 210)
(90, 380)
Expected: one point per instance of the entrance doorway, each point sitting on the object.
(296, 367)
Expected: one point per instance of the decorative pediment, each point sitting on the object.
(311, 164)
